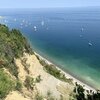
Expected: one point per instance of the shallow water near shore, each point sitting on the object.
(63, 36)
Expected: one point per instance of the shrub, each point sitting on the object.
(38, 97)
(18, 85)
(29, 82)
(12, 45)
(26, 66)
(51, 69)
(6, 84)
(38, 79)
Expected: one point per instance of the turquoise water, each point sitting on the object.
(63, 36)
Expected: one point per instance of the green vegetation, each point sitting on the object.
(29, 83)
(38, 79)
(79, 90)
(6, 84)
(49, 96)
(81, 95)
(51, 69)
(39, 97)
(12, 45)
(26, 66)
(18, 85)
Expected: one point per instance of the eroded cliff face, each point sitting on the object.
(21, 74)
(25, 76)
(40, 83)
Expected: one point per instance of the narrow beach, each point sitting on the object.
(86, 87)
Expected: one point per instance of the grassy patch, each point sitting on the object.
(18, 85)
(12, 45)
(51, 69)
(26, 66)
(29, 83)
(39, 97)
(6, 84)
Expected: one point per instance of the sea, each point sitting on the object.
(68, 37)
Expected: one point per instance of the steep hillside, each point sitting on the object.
(25, 75)
(12, 45)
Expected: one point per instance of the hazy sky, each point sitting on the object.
(47, 3)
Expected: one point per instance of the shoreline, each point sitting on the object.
(83, 84)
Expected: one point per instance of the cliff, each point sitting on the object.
(25, 75)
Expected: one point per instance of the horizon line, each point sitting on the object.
(51, 7)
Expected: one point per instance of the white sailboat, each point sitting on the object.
(42, 23)
(90, 44)
(35, 28)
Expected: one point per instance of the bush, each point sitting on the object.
(49, 95)
(51, 69)
(38, 79)
(26, 66)
(29, 82)
(18, 85)
(6, 84)
(38, 97)
(12, 45)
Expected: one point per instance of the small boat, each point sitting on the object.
(35, 28)
(90, 44)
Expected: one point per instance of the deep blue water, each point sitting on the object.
(63, 37)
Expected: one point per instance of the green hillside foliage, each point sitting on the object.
(12, 45)
(6, 84)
